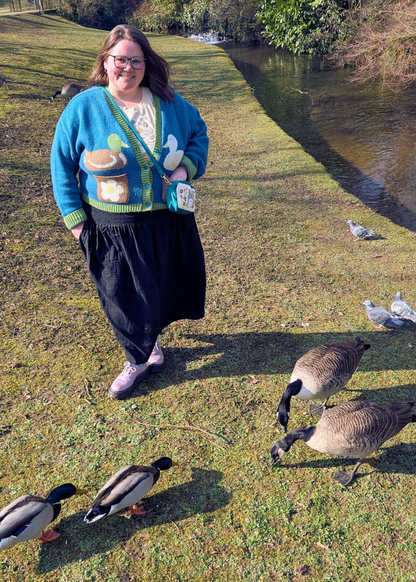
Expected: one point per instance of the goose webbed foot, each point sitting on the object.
(343, 478)
(346, 478)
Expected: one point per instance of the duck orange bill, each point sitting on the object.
(48, 536)
(137, 510)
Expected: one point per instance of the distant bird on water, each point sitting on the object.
(69, 90)
(382, 317)
(359, 231)
(402, 309)
(354, 429)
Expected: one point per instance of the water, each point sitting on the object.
(362, 134)
(208, 38)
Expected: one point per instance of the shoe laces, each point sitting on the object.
(128, 369)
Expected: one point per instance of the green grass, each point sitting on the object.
(279, 255)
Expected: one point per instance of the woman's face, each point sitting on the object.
(124, 82)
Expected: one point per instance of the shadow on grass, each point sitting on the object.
(273, 353)
(79, 541)
(400, 458)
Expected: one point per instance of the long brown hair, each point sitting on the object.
(157, 72)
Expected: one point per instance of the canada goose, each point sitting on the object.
(69, 90)
(402, 309)
(320, 373)
(26, 517)
(126, 488)
(354, 429)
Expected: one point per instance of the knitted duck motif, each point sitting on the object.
(174, 157)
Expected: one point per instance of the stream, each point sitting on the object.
(362, 134)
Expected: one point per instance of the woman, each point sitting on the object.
(147, 263)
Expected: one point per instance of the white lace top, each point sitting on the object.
(142, 116)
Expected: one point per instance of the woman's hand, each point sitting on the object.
(76, 231)
(181, 173)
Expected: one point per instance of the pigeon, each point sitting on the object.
(383, 317)
(359, 231)
(402, 309)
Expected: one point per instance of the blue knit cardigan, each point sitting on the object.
(96, 158)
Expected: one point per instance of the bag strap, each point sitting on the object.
(139, 137)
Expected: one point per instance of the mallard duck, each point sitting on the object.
(353, 429)
(26, 517)
(126, 489)
(320, 373)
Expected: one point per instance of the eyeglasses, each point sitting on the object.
(137, 63)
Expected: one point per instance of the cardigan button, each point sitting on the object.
(149, 204)
(147, 186)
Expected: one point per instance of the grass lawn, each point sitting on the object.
(284, 275)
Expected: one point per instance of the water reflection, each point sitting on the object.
(363, 134)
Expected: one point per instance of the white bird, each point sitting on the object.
(320, 373)
(69, 90)
(354, 429)
(402, 309)
(126, 489)
(174, 157)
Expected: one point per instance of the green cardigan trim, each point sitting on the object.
(192, 169)
(122, 208)
(144, 163)
(75, 218)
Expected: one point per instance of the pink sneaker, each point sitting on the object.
(156, 362)
(126, 382)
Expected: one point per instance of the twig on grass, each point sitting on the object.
(180, 426)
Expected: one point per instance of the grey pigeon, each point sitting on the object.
(402, 309)
(383, 317)
(359, 231)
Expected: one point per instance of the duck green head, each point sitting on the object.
(63, 492)
(164, 463)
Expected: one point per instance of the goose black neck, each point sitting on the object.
(283, 410)
(303, 434)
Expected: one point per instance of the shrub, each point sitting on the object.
(311, 26)
(383, 44)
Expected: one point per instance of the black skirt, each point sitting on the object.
(149, 270)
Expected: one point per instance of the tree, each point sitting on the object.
(104, 14)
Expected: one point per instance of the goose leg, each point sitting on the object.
(346, 478)
(318, 408)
